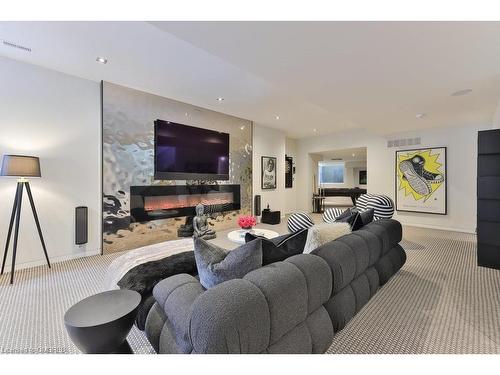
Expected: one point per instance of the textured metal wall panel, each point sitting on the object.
(128, 151)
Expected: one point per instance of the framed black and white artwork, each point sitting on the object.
(421, 180)
(268, 168)
(288, 172)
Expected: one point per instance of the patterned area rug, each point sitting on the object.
(32, 309)
(440, 302)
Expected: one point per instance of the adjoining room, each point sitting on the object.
(341, 177)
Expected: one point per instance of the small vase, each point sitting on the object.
(244, 231)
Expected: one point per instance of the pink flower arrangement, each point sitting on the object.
(246, 222)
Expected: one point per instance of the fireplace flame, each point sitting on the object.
(171, 202)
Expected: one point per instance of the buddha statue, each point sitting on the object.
(200, 225)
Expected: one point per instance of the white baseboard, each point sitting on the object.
(450, 229)
(438, 227)
(58, 259)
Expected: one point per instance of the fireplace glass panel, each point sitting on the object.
(160, 202)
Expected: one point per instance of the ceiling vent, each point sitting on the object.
(14, 45)
(403, 142)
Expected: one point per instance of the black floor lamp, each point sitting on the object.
(22, 167)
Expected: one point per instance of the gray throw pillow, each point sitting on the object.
(367, 216)
(216, 265)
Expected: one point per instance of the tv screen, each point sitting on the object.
(185, 152)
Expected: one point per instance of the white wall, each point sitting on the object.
(269, 142)
(56, 117)
(461, 170)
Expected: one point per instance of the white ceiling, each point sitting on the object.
(327, 76)
(348, 154)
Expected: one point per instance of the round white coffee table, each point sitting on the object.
(238, 236)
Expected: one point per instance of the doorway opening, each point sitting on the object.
(340, 177)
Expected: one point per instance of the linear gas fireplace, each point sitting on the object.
(162, 202)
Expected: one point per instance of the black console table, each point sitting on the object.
(270, 217)
(101, 323)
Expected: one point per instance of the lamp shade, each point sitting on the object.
(20, 166)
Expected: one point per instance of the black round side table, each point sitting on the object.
(101, 323)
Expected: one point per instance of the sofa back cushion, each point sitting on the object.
(231, 318)
(275, 309)
(351, 255)
(389, 232)
(279, 248)
(216, 265)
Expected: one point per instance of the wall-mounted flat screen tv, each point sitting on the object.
(185, 152)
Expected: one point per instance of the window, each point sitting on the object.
(331, 172)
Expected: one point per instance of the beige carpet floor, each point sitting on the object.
(440, 302)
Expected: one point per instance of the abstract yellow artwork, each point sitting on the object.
(421, 180)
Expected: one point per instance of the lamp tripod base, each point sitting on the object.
(15, 217)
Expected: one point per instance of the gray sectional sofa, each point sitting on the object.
(294, 306)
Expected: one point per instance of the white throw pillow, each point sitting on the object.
(321, 234)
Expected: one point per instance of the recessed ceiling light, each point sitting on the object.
(277, 117)
(353, 155)
(420, 115)
(461, 92)
(315, 130)
(220, 99)
(101, 60)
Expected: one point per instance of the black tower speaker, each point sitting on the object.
(81, 225)
(257, 211)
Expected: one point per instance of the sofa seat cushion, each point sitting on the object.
(216, 265)
(280, 248)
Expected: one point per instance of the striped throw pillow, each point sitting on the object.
(331, 214)
(298, 221)
(382, 204)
